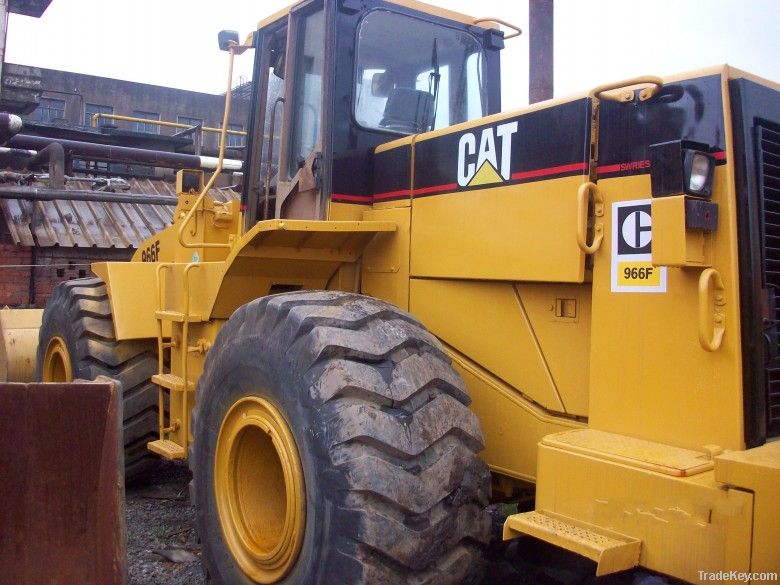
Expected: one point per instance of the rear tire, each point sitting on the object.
(77, 340)
(394, 490)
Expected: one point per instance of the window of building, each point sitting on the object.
(143, 126)
(235, 140)
(92, 109)
(49, 109)
(90, 166)
(189, 120)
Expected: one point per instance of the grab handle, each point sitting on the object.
(582, 217)
(517, 31)
(712, 316)
(655, 85)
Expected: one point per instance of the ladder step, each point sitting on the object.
(612, 551)
(177, 316)
(167, 449)
(171, 382)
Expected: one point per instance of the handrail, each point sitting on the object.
(656, 83)
(582, 217)
(517, 29)
(233, 49)
(160, 347)
(122, 118)
(185, 331)
(712, 324)
(267, 186)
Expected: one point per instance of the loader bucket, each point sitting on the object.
(61, 484)
(19, 337)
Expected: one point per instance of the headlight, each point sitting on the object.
(698, 170)
(681, 167)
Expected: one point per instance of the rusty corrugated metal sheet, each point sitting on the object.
(87, 224)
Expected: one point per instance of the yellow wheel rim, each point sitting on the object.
(56, 362)
(259, 490)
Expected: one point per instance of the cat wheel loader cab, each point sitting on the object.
(360, 74)
(582, 291)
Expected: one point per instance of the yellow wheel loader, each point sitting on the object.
(583, 292)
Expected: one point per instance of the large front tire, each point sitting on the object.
(333, 444)
(77, 340)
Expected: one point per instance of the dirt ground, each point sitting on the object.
(163, 548)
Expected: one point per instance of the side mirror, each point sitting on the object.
(225, 37)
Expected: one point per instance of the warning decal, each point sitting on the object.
(632, 240)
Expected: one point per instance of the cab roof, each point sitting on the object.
(413, 4)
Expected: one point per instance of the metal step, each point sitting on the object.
(612, 552)
(171, 382)
(631, 451)
(167, 449)
(177, 316)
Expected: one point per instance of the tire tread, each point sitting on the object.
(399, 447)
(82, 309)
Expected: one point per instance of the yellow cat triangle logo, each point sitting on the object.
(486, 175)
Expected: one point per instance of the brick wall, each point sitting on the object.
(52, 266)
(14, 282)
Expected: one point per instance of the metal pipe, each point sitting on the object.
(10, 125)
(267, 186)
(44, 194)
(53, 154)
(233, 50)
(540, 70)
(125, 154)
(22, 152)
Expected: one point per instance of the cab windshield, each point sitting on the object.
(414, 76)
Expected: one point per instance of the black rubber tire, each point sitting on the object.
(79, 312)
(395, 491)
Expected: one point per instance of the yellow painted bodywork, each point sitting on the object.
(664, 375)
(519, 318)
(686, 520)
(475, 234)
(187, 293)
(385, 271)
(680, 247)
(651, 380)
(758, 472)
(545, 346)
(413, 4)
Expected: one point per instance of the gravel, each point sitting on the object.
(160, 524)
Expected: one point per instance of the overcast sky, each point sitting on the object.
(174, 42)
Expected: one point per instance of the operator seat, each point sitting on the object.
(408, 110)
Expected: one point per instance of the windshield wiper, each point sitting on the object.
(433, 83)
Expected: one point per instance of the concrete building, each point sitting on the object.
(71, 99)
